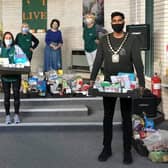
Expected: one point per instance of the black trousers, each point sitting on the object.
(109, 107)
(16, 94)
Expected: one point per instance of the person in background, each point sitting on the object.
(91, 36)
(52, 51)
(10, 50)
(26, 41)
(120, 52)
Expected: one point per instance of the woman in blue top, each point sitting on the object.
(52, 53)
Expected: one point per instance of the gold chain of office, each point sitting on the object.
(121, 45)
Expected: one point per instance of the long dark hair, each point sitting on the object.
(3, 39)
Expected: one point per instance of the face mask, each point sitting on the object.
(25, 29)
(117, 27)
(8, 42)
(88, 21)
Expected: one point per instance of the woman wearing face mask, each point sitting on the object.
(10, 50)
(52, 52)
(26, 41)
(91, 37)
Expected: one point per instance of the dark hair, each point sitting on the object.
(54, 20)
(113, 14)
(3, 39)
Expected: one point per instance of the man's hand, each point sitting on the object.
(91, 83)
(141, 91)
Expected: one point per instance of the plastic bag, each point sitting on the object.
(20, 56)
(157, 141)
(159, 156)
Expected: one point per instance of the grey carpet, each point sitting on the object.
(62, 147)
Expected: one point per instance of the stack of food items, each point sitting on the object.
(55, 83)
(120, 83)
(149, 141)
(35, 85)
(20, 65)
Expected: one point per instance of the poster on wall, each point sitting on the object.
(34, 12)
(95, 7)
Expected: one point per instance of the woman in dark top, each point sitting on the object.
(91, 35)
(52, 53)
(10, 50)
(26, 41)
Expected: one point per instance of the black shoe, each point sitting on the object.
(104, 155)
(127, 158)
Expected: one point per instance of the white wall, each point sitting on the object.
(111, 6)
(69, 12)
(160, 43)
(11, 15)
(0, 16)
(0, 11)
(137, 11)
(160, 36)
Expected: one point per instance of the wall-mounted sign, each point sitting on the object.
(34, 12)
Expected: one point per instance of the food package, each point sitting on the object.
(159, 156)
(157, 140)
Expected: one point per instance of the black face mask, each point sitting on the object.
(117, 27)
